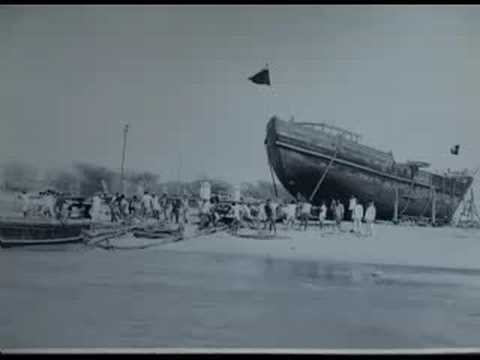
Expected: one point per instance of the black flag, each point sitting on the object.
(261, 78)
(454, 150)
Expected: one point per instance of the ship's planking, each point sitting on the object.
(304, 154)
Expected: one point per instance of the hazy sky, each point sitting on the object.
(406, 77)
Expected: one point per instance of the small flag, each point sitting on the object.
(454, 150)
(261, 78)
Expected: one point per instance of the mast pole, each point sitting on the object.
(122, 182)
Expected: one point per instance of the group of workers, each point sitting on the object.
(118, 207)
(291, 214)
(49, 204)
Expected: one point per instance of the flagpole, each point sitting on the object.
(180, 155)
(263, 78)
(122, 183)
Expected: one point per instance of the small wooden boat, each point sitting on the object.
(134, 243)
(153, 234)
(160, 231)
(22, 232)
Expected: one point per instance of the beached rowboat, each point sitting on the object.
(22, 232)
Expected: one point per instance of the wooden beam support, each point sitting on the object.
(395, 207)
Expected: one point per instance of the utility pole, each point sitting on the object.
(122, 180)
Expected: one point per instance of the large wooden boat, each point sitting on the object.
(324, 162)
(22, 232)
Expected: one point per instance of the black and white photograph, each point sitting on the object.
(239, 177)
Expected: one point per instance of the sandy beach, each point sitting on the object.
(298, 289)
(445, 247)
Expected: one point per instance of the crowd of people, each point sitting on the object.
(105, 207)
(119, 208)
(49, 204)
(294, 214)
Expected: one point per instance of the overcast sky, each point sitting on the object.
(406, 77)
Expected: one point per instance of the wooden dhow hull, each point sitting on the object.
(24, 232)
(301, 155)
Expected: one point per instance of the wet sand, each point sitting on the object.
(296, 291)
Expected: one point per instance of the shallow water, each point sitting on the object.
(78, 297)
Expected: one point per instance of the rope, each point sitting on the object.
(273, 179)
(271, 174)
(324, 173)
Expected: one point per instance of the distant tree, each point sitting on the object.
(63, 181)
(91, 177)
(19, 177)
(147, 179)
(264, 190)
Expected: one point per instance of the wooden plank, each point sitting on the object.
(395, 206)
(434, 206)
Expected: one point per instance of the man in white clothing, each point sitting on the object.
(323, 214)
(95, 210)
(351, 207)
(156, 206)
(25, 203)
(236, 209)
(357, 218)
(306, 209)
(146, 204)
(50, 204)
(291, 209)
(370, 216)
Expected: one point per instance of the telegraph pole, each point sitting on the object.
(122, 181)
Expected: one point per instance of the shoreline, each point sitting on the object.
(441, 248)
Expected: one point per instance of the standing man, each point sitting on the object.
(291, 209)
(156, 206)
(306, 209)
(339, 214)
(351, 207)
(25, 203)
(323, 214)
(113, 206)
(176, 210)
(124, 206)
(96, 208)
(50, 204)
(333, 206)
(163, 205)
(205, 213)
(146, 204)
(357, 218)
(246, 213)
(269, 212)
(236, 217)
(370, 216)
(185, 208)
(132, 205)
